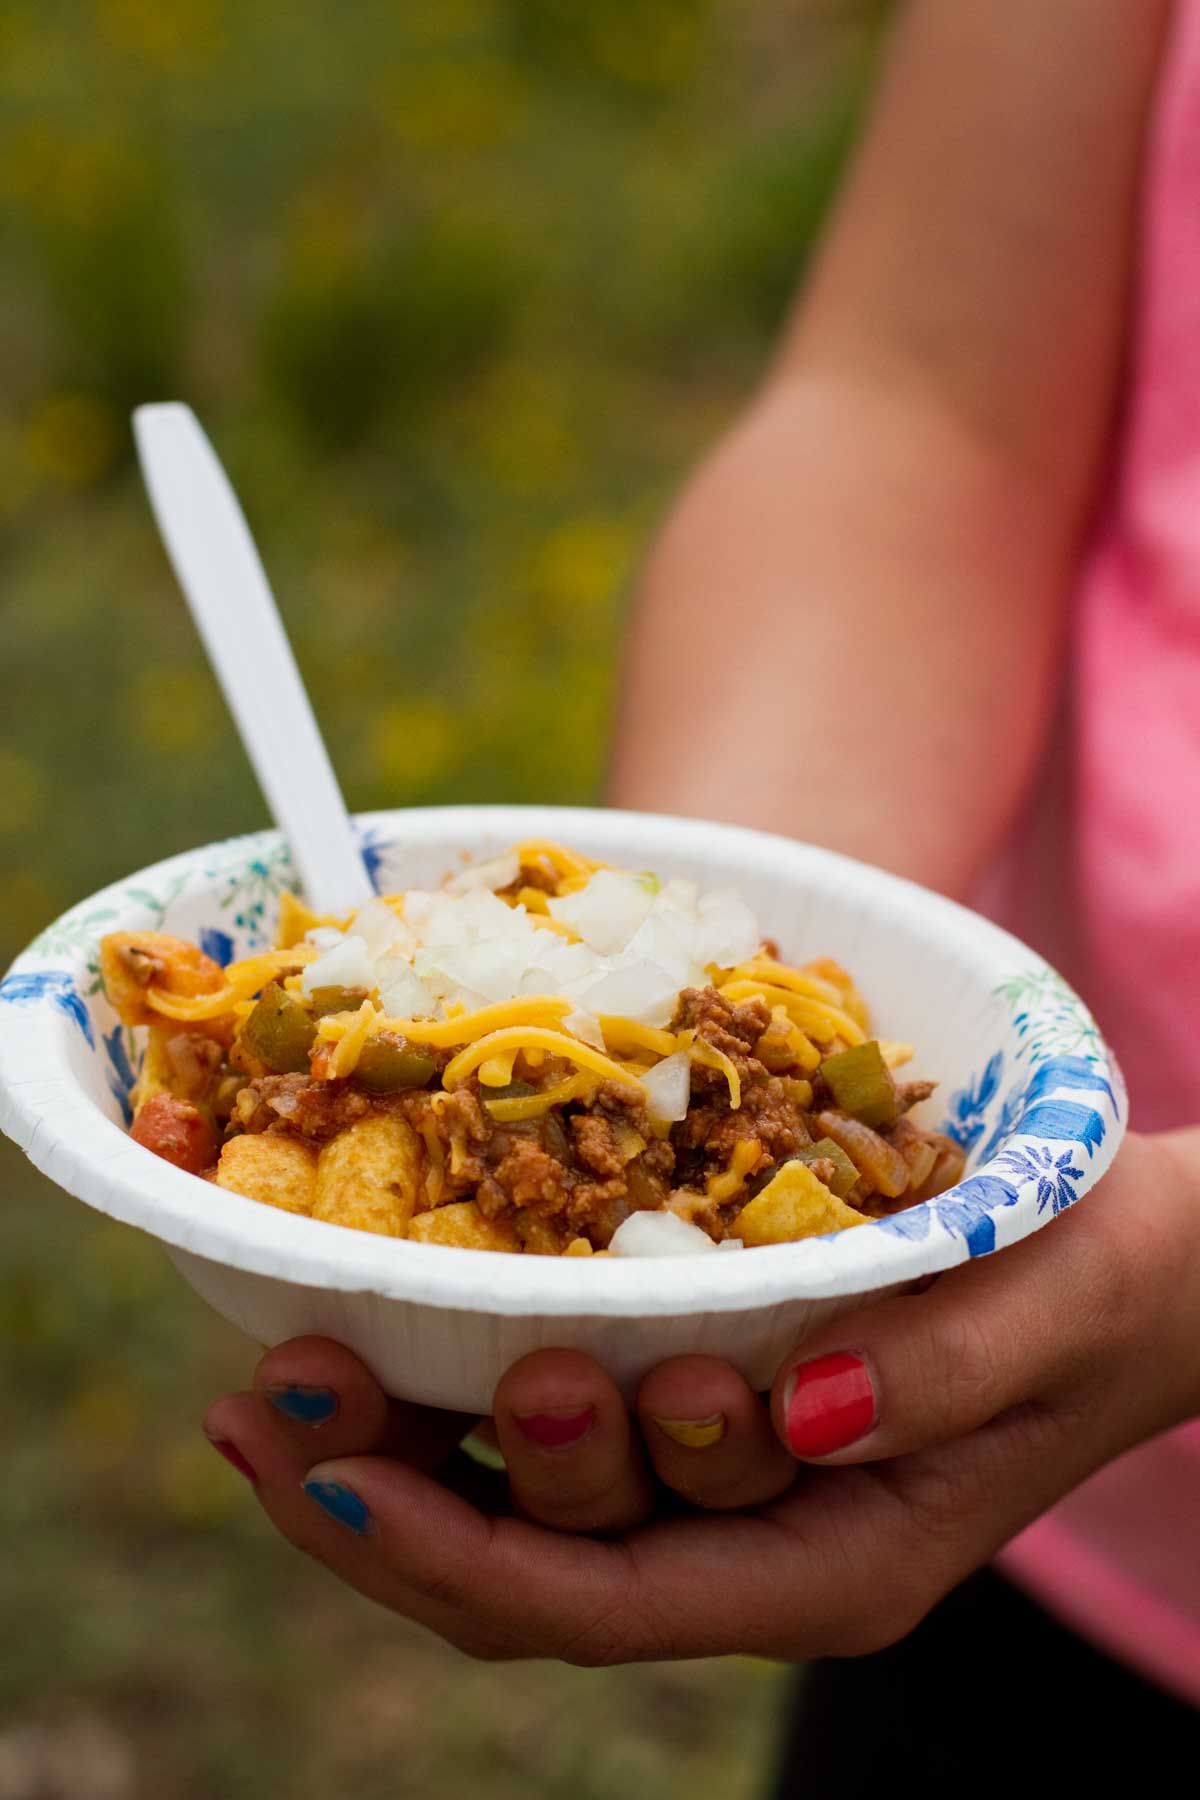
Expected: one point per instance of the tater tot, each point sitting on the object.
(279, 1171)
(463, 1226)
(794, 1204)
(368, 1176)
(154, 1076)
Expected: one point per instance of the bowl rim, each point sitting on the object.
(65, 1134)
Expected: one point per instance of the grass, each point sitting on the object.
(460, 292)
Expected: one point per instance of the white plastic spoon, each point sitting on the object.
(222, 576)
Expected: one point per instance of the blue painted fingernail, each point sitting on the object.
(341, 1503)
(304, 1405)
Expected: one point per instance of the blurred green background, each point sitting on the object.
(460, 290)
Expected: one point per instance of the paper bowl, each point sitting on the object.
(1027, 1085)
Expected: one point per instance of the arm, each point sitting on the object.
(850, 627)
(898, 511)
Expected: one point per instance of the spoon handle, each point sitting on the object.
(222, 576)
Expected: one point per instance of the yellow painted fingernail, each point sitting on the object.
(694, 1434)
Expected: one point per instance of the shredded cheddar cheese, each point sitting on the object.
(747, 1154)
(520, 1107)
(701, 1051)
(564, 862)
(814, 1017)
(782, 975)
(627, 1034)
(349, 1049)
(497, 1070)
(296, 920)
(465, 1027)
(519, 1037)
(242, 979)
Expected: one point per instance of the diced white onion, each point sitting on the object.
(668, 1088)
(492, 969)
(345, 964)
(658, 1234)
(606, 912)
(669, 940)
(324, 937)
(728, 931)
(585, 1026)
(497, 872)
(638, 990)
(379, 927)
(402, 994)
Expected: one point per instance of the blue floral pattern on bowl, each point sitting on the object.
(52, 987)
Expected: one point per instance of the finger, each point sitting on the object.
(574, 1462)
(508, 1583)
(710, 1436)
(1035, 1323)
(315, 1384)
(278, 1485)
(313, 1397)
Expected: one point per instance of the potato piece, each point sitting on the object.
(155, 1074)
(264, 1165)
(794, 1204)
(368, 1176)
(132, 961)
(463, 1225)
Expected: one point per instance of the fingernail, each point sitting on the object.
(556, 1431)
(341, 1503)
(304, 1405)
(694, 1434)
(828, 1404)
(233, 1455)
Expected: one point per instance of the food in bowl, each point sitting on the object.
(547, 1055)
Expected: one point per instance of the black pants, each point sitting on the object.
(988, 1696)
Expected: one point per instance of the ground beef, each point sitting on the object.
(568, 1172)
(299, 1104)
(911, 1093)
(528, 1175)
(729, 1025)
(596, 1144)
(571, 1171)
(767, 1113)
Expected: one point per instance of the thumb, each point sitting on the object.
(1036, 1322)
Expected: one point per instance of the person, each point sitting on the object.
(934, 602)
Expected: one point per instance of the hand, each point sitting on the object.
(978, 1403)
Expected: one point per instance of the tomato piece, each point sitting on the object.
(178, 1132)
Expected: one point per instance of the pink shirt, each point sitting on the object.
(1117, 829)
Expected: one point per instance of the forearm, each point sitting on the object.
(850, 627)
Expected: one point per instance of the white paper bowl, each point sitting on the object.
(1027, 1085)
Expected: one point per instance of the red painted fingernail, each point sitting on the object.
(829, 1404)
(233, 1455)
(555, 1431)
